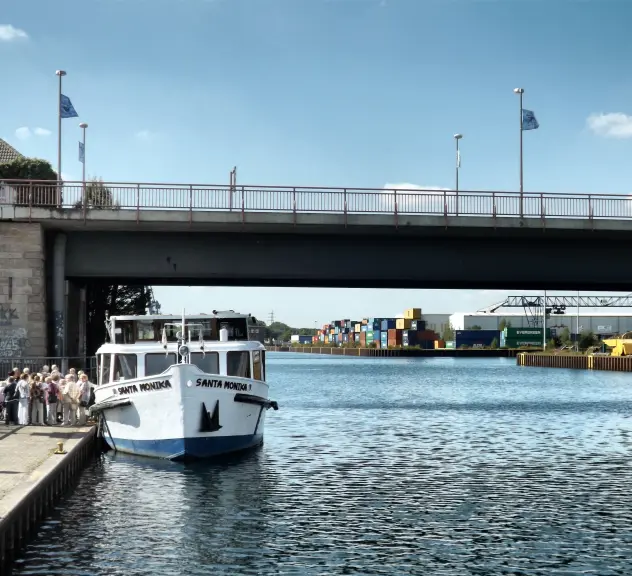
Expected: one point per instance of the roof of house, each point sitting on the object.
(8, 153)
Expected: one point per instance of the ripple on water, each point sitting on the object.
(386, 466)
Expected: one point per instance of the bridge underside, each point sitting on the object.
(449, 259)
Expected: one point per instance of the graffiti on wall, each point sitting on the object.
(13, 339)
(7, 315)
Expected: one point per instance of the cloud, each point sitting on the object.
(612, 125)
(24, 133)
(9, 34)
(145, 135)
(412, 198)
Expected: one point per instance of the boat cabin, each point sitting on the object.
(138, 329)
(118, 363)
(138, 348)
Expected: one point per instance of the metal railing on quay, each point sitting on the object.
(36, 363)
(83, 198)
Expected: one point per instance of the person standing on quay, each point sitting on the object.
(84, 397)
(70, 400)
(52, 398)
(11, 401)
(23, 402)
(37, 411)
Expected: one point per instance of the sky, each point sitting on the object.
(345, 93)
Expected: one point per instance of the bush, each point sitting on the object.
(494, 344)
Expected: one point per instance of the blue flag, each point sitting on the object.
(66, 109)
(529, 121)
(82, 153)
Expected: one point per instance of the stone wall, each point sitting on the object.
(22, 291)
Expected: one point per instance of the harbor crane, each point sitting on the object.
(533, 305)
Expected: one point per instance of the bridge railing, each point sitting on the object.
(195, 197)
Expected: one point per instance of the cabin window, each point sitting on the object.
(257, 365)
(208, 363)
(203, 326)
(124, 367)
(145, 330)
(158, 363)
(238, 364)
(105, 368)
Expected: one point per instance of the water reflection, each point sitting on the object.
(377, 467)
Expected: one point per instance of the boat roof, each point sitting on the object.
(215, 314)
(172, 347)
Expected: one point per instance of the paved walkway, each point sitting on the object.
(25, 448)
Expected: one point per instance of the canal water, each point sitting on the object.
(376, 466)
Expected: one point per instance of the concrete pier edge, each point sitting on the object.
(26, 505)
(576, 362)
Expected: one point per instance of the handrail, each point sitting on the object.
(311, 199)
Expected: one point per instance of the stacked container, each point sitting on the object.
(476, 338)
(518, 337)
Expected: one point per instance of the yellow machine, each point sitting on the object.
(621, 346)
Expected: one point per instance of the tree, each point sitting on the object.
(448, 333)
(475, 327)
(504, 324)
(31, 169)
(494, 343)
(565, 336)
(114, 300)
(98, 196)
(587, 339)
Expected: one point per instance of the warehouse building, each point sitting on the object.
(602, 324)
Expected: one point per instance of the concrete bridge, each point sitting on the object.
(55, 239)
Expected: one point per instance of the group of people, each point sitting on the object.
(46, 398)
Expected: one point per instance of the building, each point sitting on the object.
(437, 322)
(7, 154)
(602, 324)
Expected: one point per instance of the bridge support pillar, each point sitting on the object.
(59, 296)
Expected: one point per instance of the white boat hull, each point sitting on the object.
(183, 413)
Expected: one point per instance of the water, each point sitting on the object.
(376, 466)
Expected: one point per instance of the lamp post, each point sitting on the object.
(520, 92)
(83, 127)
(82, 157)
(457, 137)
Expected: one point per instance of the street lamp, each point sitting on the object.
(83, 126)
(82, 159)
(520, 92)
(457, 137)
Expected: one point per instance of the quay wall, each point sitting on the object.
(26, 505)
(399, 352)
(611, 363)
(23, 326)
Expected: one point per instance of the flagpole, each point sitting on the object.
(520, 92)
(61, 74)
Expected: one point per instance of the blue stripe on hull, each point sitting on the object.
(181, 448)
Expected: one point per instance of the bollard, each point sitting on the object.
(60, 448)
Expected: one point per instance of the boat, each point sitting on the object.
(181, 387)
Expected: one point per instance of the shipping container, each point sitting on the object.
(418, 325)
(439, 344)
(384, 338)
(394, 337)
(525, 332)
(450, 344)
(413, 314)
(388, 324)
(402, 324)
(476, 338)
